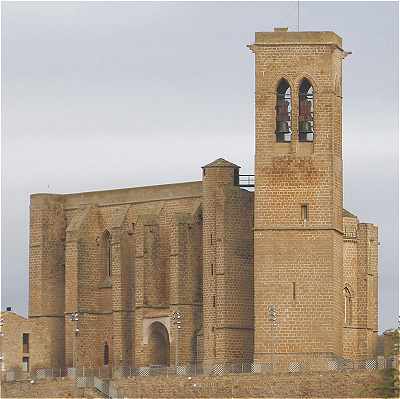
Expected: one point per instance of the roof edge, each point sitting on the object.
(221, 163)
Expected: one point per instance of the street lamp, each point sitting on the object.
(176, 319)
(74, 317)
(273, 318)
(2, 322)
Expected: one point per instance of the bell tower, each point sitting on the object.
(298, 243)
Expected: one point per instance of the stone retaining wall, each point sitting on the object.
(352, 384)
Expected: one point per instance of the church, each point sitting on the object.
(231, 268)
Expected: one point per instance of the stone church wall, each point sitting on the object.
(126, 260)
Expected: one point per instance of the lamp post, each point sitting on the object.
(273, 318)
(2, 322)
(74, 317)
(176, 319)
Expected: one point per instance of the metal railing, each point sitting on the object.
(107, 388)
(83, 377)
(350, 234)
(246, 181)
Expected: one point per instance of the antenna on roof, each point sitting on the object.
(298, 15)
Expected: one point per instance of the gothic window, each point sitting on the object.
(106, 354)
(347, 307)
(107, 253)
(283, 112)
(306, 111)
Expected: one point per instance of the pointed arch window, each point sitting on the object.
(306, 111)
(347, 307)
(283, 112)
(107, 253)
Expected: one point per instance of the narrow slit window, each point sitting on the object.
(212, 269)
(304, 212)
(306, 111)
(283, 112)
(294, 290)
(25, 343)
(236, 177)
(107, 254)
(214, 301)
(106, 354)
(347, 307)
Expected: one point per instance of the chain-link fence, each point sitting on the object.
(89, 377)
(274, 366)
(69, 372)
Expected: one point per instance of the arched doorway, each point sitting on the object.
(158, 345)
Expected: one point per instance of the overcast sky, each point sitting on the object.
(110, 95)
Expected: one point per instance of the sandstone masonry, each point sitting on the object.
(282, 271)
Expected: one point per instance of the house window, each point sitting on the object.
(304, 212)
(347, 307)
(306, 111)
(283, 111)
(25, 343)
(106, 354)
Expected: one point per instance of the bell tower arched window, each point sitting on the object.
(283, 111)
(107, 254)
(306, 111)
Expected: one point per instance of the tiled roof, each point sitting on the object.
(221, 163)
(347, 214)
